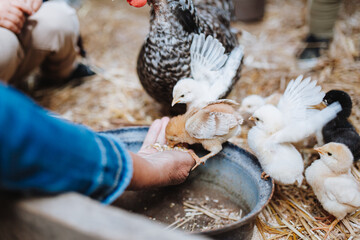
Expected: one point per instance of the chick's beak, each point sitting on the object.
(175, 101)
(320, 106)
(251, 118)
(323, 104)
(319, 150)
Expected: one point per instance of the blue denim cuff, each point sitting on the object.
(44, 154)
(116, 171)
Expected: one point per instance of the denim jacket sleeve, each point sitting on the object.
(40, 153)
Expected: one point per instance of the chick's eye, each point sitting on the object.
(182, 95)
(329, 154)
(257, 119)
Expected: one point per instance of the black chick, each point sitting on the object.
(340, 130)
(165, 56)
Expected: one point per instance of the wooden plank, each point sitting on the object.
(73, 216)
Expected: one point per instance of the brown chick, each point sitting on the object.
(210, 126)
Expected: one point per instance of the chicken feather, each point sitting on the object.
(277, 127)
(165, 58)
(300, 94)
(215, 120)
(207, 56)
(343, 189)
(212, 72)
(296, 131)
(210, 126)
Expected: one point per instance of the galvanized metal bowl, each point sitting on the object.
(232, 177)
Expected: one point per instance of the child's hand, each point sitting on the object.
(153, 168)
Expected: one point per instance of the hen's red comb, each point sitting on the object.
(137, 3)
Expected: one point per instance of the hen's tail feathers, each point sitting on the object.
(186, 14)
(187, 5)
(207, 52)
(226, 5)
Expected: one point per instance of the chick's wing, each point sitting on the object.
(209, 123)
(343, 189)
(299, 95)
(207, 57)
(299, 130)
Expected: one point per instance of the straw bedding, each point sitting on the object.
(113, 33)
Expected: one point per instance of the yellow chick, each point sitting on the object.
(211, 126)
(332, 182)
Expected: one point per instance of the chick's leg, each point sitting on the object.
(202, 159)
(196, 158)
(327, 228)
(329, 217)
(213, 148)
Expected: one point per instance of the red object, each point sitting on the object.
(137, 3)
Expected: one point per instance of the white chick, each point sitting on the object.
(332, 182)
(212, 73)
(253, 102)
(277, 127)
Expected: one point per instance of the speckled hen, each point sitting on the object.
(165, 56)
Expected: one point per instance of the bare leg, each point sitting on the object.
(11, 54)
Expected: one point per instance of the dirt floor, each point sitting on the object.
(113, 33)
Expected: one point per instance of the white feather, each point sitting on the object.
(281, 161)
(210, 125)
(291, 121)
(298, 97)
(343, 189)
(296, 131)
(212, 72)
